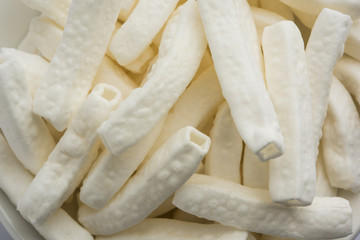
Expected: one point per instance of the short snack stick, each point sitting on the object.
(71, 159)
(14, 179)
(161, 228)
(77, 58)
(234, 46)
(25, 132)
(227, 203)
(182, 47)
(153, 183)
(292, 176)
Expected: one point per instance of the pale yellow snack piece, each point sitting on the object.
(224, 157)
(227, 203)
(165, 207)
(353, 41)
(278, 7)
(255, 173)
(182, 47)
(238, 64)
(140, 64)
(71, 159)
(153, 183)
(78, 56)
(127, 6)
(305, 18)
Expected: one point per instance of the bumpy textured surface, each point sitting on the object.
(234, 46)
(160, 228)
(292, 176)
(137, 33)
(232, 204)
(70, 160)
(341, 140)
(181, 49)
(77, 58)
(25, 132)
(153, 183)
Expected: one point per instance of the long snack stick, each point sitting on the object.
(77, 58)
(26, 132)
(224, 156)
(292, 176)
(152, 184)
(227, 203)
(14, 179)
(341, 140)
(237, 62)
(71, 159)
(138, 31)
(169, 77)
(161, 228)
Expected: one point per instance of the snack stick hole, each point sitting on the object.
(107, 91)
(198, 138)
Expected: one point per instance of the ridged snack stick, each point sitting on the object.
(182, 47)
(234, 46)
(292, 176)
(228, 203)
(77, 58)
(14, 179)
(224, 156)
(71, 159)
(162, 228)
(138, 31)
(341, 140)
(25, 132)
(153, 183)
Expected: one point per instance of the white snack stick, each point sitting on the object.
(140, 64)
(314, 7)
(227, 203)
(77, 58)
(14, 179)
(137, 33)
(278, 7)
(199, 101)
(162, 228)
(341, 140)
(187, 217)
(347, 70)
(354, 199)
(323, 186)
(54, 9)
(127, 6)
(111, 73)
(71, 158)
(324, 48)
(254, 172)
(153, 183)
(305, 18)
(264, 18)
(33, 65)
(237, 62)
(353, 41)
(224, 156)
(110, 172)
(26, 132)
(181, 49)
(292, 176)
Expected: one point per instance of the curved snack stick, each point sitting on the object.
(353, 41)
(324, 48)
(233, 42)
(162, 228)
(152, 184)
(138, 31)
(77, 58)
(292, 176)
(26, 132)
(224, 156)
(341, 140)
(71, 158)
(54, 9)
(110, 172)
(314, 7)
(182, 47)
(14, 179)
(227, 203)
(33, 65)
(347, 70)
(254, 173)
